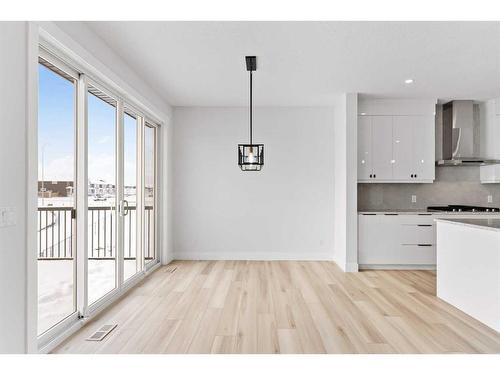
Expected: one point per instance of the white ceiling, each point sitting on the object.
(308, 63)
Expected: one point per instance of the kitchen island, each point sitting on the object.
(468, 267)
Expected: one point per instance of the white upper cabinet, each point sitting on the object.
(382, 156)
(365, 168)
(402, 148)
(424, 148)
(396, 141)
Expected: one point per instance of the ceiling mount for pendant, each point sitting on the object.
(251, 63)
(251, 156)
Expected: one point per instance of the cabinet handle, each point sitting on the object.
(415, 176)
(424, 225)
(374, 176)
(424, 244)
(370, 176)
(411, 176)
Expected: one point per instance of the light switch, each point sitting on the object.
(7, 217)
(413, 199)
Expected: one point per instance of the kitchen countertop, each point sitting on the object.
(425, 212)
(488, 224)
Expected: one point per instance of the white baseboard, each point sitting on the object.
(250, 255)
(427, 267)
(352, 267)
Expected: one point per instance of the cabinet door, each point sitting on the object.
(403, 142)
(364, 147)
(382, 147)
(424, 147)
(377, 243)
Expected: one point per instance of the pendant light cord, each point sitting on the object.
(251, 108)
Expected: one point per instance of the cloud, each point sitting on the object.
(101, 167)
(59, 169)
(104, 139)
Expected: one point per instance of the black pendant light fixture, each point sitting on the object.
(251, 156)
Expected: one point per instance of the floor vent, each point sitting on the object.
(102, 332)
(170, 269)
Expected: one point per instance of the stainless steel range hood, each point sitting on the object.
(460, 135)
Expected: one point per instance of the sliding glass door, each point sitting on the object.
(131, 134)
(56, 194)
(98, 156)
(149, 193)
(101, 196)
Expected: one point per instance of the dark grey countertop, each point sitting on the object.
(425, 212)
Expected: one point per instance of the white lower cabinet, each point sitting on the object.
(396, 240)
(393, 241)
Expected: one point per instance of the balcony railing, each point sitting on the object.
(57, 228)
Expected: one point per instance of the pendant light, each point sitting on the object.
(251, 156)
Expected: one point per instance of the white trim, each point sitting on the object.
(397, 267)
(31, 313)
(250, 255)
(56, 330)
(119, 195)
(81, 257)
(54, 60)
(155, 127)
(139, 205)
(352, 267)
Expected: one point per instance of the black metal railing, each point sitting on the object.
(56, 229)
(55, 232)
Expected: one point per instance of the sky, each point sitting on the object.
(56, 134)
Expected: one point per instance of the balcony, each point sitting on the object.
(57, 251)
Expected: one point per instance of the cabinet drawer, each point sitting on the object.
(385, 240)
(417, 254)
(414, 234)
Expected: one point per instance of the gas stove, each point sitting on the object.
(462, 208)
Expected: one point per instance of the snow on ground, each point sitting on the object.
(57, 292)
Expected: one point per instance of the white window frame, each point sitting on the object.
(153, 125)
(56, 55)
(71, 319)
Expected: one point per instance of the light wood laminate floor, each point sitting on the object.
(284, 307)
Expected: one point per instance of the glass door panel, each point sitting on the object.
(130, 160)
(56, 195)
(101, 197)
(149, 220)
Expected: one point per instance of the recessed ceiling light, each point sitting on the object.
(409, 81)
(363, 113)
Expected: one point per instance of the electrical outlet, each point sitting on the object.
(413, 199)
(490, 198)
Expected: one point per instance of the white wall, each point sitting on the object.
(283, 212)
(13, 36)
(345, 252)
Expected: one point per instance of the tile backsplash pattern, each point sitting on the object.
(453, 185)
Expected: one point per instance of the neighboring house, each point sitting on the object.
(52, 189)
(101, 188)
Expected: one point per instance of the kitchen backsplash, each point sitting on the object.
(453, 185)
